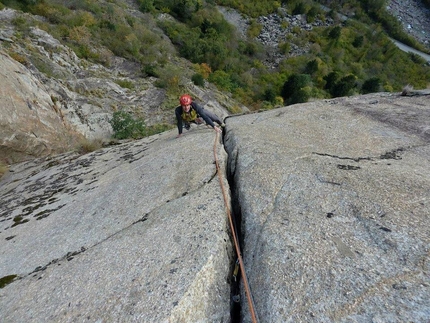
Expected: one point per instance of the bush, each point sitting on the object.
(19, 58)
(198, 79)
(335, 33)
(270, 94)
(299, 9)
(295, 89)
(371, 85)
(3, 168)
(311, 67)
(358, 41)
(125, 126)
(150, 70)
(343, 87)
(203, 69)
(254, 29)
(126, 84)
(330, 80)
(222, 80)
(146, 5)
(86, 146)
(416, 58)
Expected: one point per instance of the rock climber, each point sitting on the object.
(190, 111)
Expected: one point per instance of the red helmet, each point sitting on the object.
(185, 99)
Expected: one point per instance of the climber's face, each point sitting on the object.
(186, 108)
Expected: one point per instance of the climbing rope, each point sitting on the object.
(235, 240)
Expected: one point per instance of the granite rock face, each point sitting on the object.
(31, 124)
(334, 199)
(132, 233)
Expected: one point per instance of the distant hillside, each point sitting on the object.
(331, 57)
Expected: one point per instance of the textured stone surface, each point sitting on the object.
(335, 207)
(31, 124)
(131, 233)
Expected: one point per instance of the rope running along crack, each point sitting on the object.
(235, 239)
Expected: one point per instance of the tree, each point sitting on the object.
(371, 85)
(335, 33)
(311, 67)
(299, 9)
(294, 89)
(198, 79)
(358, 41)
(270, 94)
(372, 6)
(343, 87)
(330, 80)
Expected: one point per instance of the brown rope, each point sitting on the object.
(236, 242)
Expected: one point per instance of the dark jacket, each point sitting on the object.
(200, 113)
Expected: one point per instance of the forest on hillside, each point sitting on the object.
(340, 58)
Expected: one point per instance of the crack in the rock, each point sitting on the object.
(236, 214)
(392, 154)
(356, 159)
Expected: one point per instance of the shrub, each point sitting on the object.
(80, 35)
(146, 5)
(330, 80)
(270, 94)
(86, 146)
(312, 14)
(343, 87)
(222, 80)
(125, 126)
(358, 41)
(335, 33)
(295, 89)
(126, 84)
(311, 67)
(19, 58)
(254, 29)
(3, 168)
(150, 70)
(416, 58)
(203, 69)
(299, 9)
(22, 24)
(371, 85)
(198, 79)
(284, 47)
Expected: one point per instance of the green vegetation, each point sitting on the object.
(296, 89)
(3, 168)
(125, 126)
(127, 84)
(198, 79)
(95, 30)
(7, 280)
(375, 10)
(86, 146)
(345, 58)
